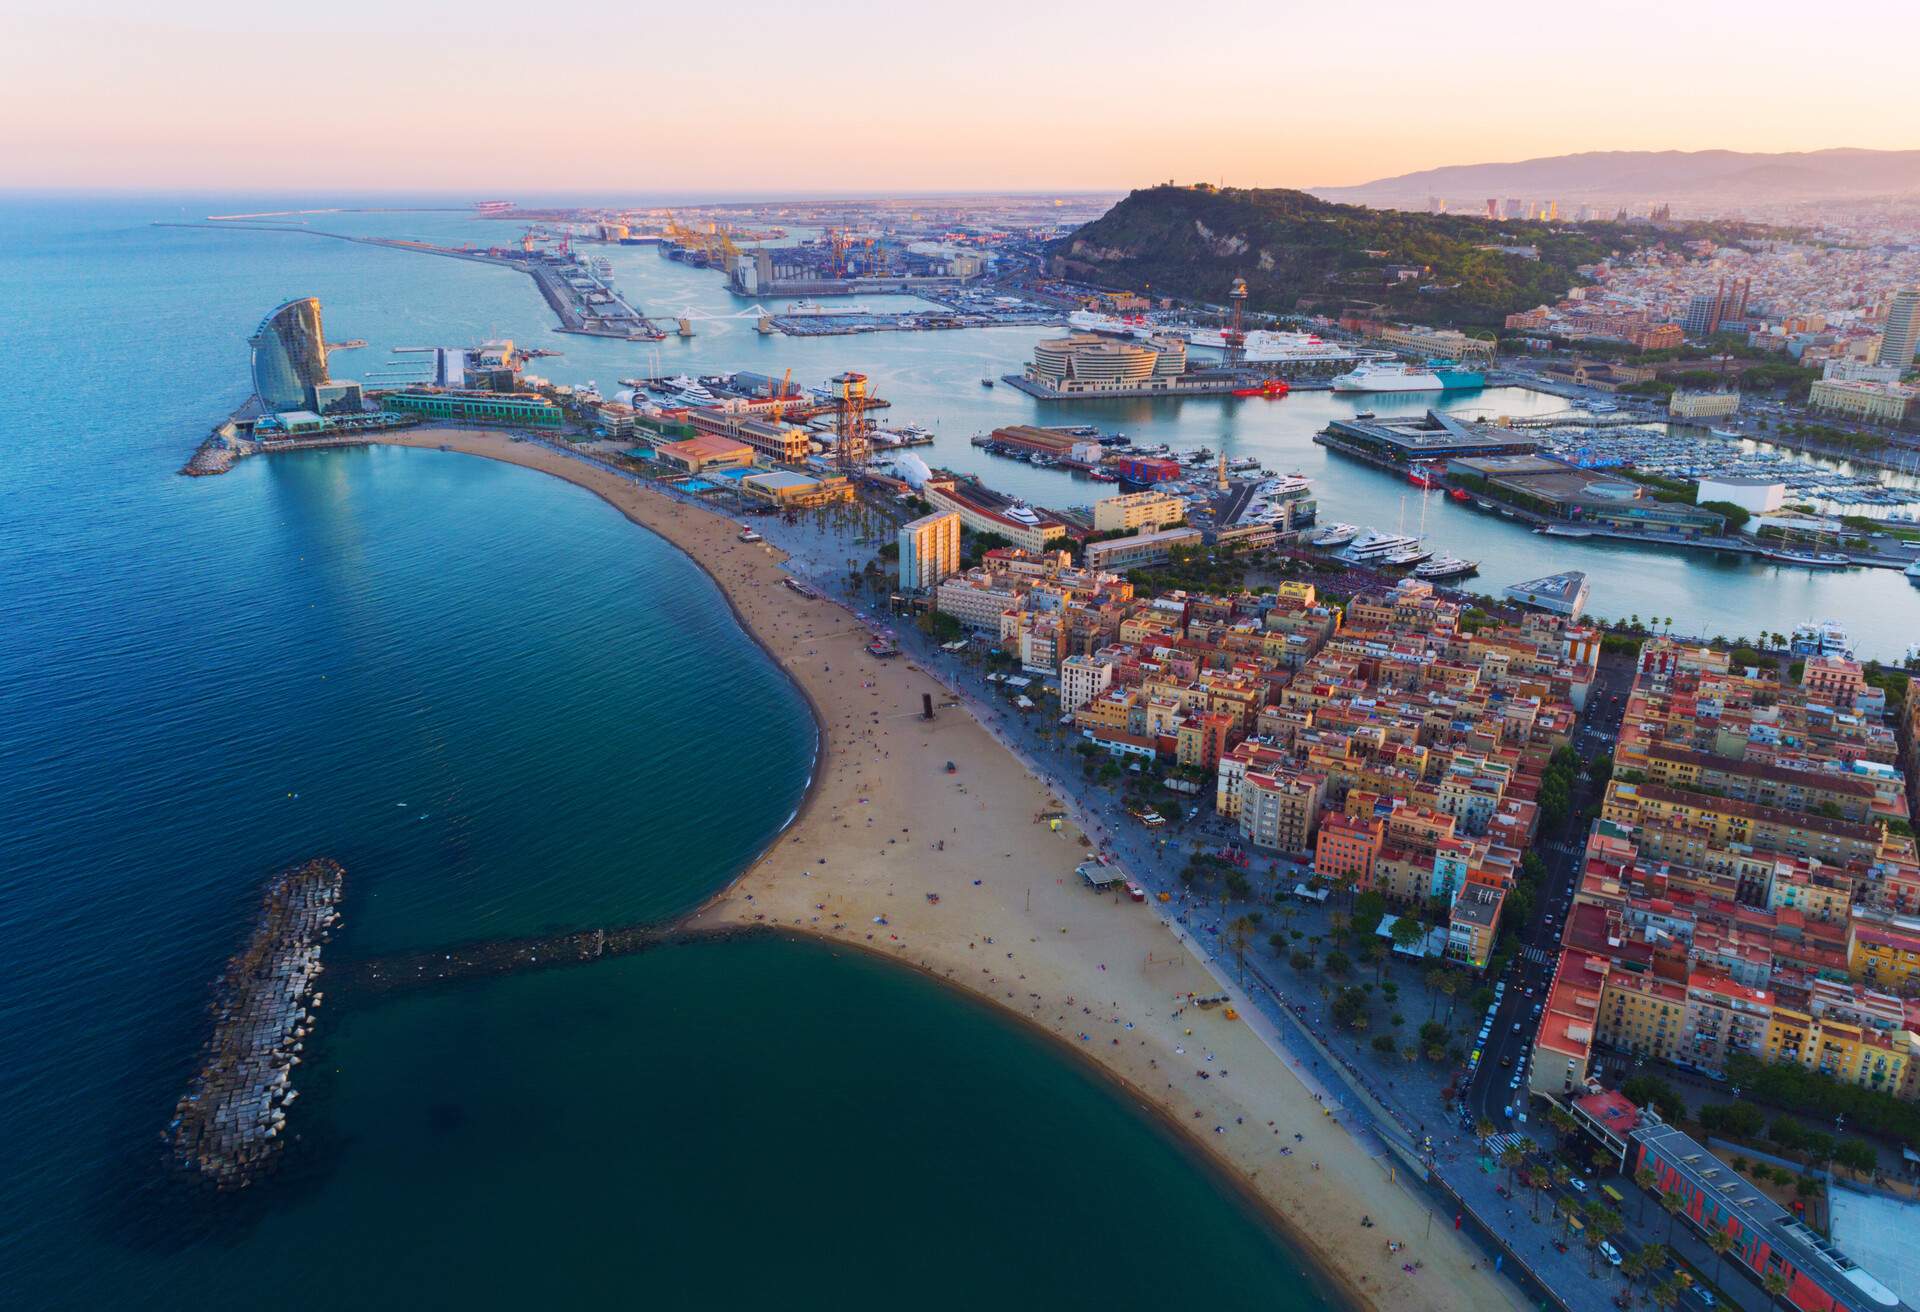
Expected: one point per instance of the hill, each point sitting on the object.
(1302, 254)
(1620, 177)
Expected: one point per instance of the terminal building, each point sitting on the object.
(1433, 436)
(1087, 364)
(1557, 490)
(478, 407)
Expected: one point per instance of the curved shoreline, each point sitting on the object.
(926, 935)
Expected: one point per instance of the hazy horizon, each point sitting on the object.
(763, 100)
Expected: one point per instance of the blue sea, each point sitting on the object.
(504, 709)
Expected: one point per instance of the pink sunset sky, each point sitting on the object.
(750, 96)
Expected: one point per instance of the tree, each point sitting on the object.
(1648, 1182)
(1239, 936)
(1857, 1156)
(1484, 1129)
(1721, 1242)
(1776, 1286)
(1301, 961)
(1338, 962)
(1511, 1157)
(1350, 1008)
(1368, 908)
(1673, 1206)
(1408, 932)
(1665, 1294)
(1448, 984)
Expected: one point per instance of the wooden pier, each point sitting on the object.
(229, 1127)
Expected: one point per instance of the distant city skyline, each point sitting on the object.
(495, 97)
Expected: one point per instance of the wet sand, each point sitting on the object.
(885, 825)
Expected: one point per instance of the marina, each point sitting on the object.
(230, 1126)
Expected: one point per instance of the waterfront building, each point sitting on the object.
(1756, 496)
(793, 491)
(1089, 364)
(1555, 489)
(1564, 594)
(929, 550)
(1847, 369)
(782, 443)
(1279, 811)
(1433, 436)
(289, 355)
(1900, 338)
(983, 510)
(1880, 403)
(1137, 510)
(478, 407)
(704, 453)
(341, 396)
(1140, 549)
(1446, 343)
(1082, 678)
(1703, 405)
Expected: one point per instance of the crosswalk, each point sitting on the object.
(1498, 1143)
(1537, 955)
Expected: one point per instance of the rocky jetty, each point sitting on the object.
(230, 1126)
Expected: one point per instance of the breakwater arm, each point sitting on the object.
(227, 1128)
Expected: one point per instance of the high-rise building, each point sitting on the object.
(1493, 207)
(1902, 334)
(289, 355)
(929, 550)
(1703, 314)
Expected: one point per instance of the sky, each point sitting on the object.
(755, 97)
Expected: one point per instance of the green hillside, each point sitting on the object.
(1300, 254)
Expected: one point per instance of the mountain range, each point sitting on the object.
(1622, 177)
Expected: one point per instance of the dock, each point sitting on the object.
(229, 1127)
(1188, 387)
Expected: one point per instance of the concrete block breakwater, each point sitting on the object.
(229, 1127)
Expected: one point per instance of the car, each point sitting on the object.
(1608, 1251)
(1706, 1297)
(1578, 1185)
(1559, 1245)
(1516, 1027)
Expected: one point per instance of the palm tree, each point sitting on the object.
(1484, 1129)
(1449, 984)
(1721, 1242)
(1665, 1294)
(1510, 1157)
(1239, 934)
(1776, 1286)
(1567, 1208)
(1648, 1182)
(1562, 1122)
(1560, 1174)
(1674, 1206)
(1635, 1265)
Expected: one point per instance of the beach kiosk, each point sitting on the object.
(1100, 876)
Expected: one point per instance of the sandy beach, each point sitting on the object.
(955, 874)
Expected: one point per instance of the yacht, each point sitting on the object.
(1401, 559)
(1338, 535)
(1821, 638)
(1373, 544)
(822, 308)
(1447, 567)
(682, 390)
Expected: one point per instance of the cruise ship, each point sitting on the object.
(1264, 346)
(1136, 326)
(1391, 376)
(1373, 545)
(1336, 535)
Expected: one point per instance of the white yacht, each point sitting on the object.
(1447, 567)
(1402, 559)
(1335, 535)
(1373, 544)
(1913, 573)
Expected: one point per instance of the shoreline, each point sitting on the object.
(911, 912)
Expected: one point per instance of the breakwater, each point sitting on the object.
(494, 957)
(227, 1128)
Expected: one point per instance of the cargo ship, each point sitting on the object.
(1436, 376)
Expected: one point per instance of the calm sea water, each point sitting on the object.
(497, 703)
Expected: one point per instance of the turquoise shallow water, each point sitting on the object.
(201, 679)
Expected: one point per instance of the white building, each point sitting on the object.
(1082, 678)
(929, 550)
(1756, 496)
(1135, 510)
(1703, 405)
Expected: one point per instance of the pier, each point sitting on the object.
(495, 957)
(228, 1127)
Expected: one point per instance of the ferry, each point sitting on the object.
(1447, 567)
(1269, 387)
(1335, 535)
(1374, 544)
(1437, 376)
(1263, 346)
